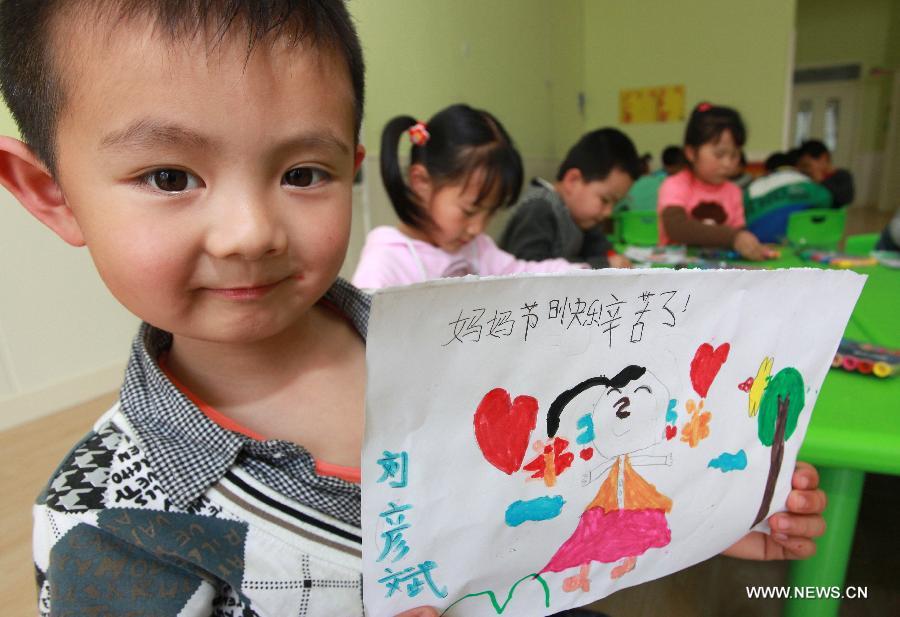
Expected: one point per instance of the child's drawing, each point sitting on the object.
(557, 438)
(627, 515)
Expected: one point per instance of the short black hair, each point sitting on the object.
(461, 140)
(599, 152)
(814, 148)
(672, 155)
(792, 156)
(619, 381)
(776, 160)
(708, 122)
(34, 89)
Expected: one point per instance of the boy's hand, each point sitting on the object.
(422, 611)
(619, 261)
(792, 531)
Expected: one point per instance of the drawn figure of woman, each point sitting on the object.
(628, 515)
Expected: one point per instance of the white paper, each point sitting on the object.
(667, 464)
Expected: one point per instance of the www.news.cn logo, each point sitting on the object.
(808, 593)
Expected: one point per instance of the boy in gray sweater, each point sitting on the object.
(564, 218)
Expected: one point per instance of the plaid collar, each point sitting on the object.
(188, 451)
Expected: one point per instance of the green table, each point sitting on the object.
(855, 429)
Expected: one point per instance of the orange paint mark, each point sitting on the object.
(549, 469)
(580, 581)
(697, 428)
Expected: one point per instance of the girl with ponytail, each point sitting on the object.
(463, 167)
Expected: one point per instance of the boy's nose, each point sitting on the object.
(247, 227)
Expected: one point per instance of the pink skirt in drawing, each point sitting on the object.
(609, 536)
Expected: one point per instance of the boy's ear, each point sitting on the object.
(358, 157)
(572, 177)
(26, 177)
(420, 182)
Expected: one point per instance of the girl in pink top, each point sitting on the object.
(698, 206)
(463, 168)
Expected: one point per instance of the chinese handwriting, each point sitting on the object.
(608, 314)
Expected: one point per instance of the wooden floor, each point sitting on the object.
(715, 587)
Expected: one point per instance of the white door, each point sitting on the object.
(827, 111)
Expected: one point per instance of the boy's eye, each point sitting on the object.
(304, 177)
(171, 180)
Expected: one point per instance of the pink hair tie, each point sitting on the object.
(704, 107)
(418, 134)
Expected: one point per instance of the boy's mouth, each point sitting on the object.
(249, 292)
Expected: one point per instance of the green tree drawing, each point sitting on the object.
(779, 410)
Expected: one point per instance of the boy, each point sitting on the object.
(815, 161)
(204, 153)
(564, 219)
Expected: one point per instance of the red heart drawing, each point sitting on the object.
(503, 428)
(671, 431)
(705, 366)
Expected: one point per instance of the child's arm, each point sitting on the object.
(598, 251)
(493, 261)
(792, 531)
(682, 229)
(643, 460)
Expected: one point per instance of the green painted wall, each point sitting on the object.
(733, 53)
(864, 32)
(494, 54)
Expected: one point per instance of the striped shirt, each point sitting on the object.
(161, 511)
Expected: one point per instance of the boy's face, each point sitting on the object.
(815, 168)
(590, 203)
(213, 189)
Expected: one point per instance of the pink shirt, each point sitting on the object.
(721, 204)
(390, 258)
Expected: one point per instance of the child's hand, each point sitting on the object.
(792, 531)
(750, 248)
(619, 261)
(422, 611)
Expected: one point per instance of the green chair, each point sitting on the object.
(861, 244)
(816, 228)
(637, 228)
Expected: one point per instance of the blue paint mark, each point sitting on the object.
(587, 424)
(671, 414)
(540, 509)
(729, 462)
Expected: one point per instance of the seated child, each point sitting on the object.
(771, 199)
(673, 160)
(644, 192)
(815, 161)
(204, 152)
(698, 206)
(564, 218)
(463, 168)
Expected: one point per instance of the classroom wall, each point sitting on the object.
(519, 59)
(731, 53)
(864, 32)
(833, 32)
